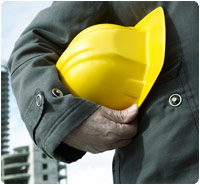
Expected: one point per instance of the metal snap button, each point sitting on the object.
(39, 100)
(57, 92)
(175, 100)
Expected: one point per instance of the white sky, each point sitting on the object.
(15, 16)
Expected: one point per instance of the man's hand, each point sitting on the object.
(106, 129)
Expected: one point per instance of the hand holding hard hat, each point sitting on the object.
(105, 129)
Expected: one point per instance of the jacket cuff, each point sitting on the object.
(67, 154)
(62, 127)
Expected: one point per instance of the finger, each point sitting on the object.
(125, 131)
(121, 116)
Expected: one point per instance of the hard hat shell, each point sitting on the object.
(115, 66)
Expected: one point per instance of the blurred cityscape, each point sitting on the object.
(25, 164)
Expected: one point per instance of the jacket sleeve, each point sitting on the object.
(50, 119)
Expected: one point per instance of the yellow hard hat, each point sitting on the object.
(115, 66)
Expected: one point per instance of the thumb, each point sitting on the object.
(121, 116)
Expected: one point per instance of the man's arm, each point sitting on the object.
(50, 119)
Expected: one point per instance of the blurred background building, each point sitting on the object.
(26, 164)
(29, 165)
(4, 110)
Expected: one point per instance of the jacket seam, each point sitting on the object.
(28, 108)
(189, 102)
(23, 64)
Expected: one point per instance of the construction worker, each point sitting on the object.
(155, 143)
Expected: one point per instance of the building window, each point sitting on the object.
(44, 166)
(45, 177)
(44, 156)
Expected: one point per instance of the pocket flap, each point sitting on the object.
(33, 114)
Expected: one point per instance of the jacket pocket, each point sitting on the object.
(34, 112)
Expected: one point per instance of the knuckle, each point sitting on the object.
(110, 139)
(110, 136)
(121, 130)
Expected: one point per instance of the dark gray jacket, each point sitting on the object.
(166, 147)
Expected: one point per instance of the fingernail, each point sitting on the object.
(133, 108)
